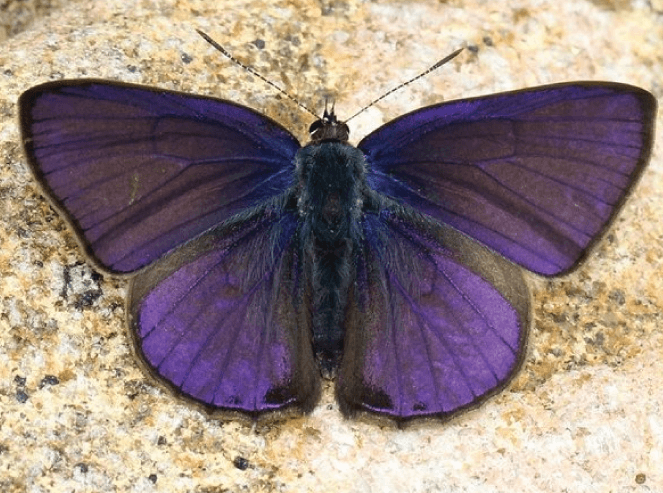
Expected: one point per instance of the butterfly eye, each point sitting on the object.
(315, 127)
(343, 131)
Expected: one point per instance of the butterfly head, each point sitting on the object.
(329, 128)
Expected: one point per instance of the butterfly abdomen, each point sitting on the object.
(331, 178)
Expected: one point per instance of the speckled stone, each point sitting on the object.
(76, 412)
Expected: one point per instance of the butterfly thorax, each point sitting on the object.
(331, 179)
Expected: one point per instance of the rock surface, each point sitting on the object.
(76, 412)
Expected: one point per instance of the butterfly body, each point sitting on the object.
(394, 264)
(331, 196)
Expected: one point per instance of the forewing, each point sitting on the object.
(138, 171)
(221, 320)
(536, 174)
(436, 322)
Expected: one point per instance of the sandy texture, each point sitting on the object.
(76, 412)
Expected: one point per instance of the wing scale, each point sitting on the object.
(536, 175)
(436, 324)
(222, 320)
(137, 171)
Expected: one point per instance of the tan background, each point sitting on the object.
(585, 414)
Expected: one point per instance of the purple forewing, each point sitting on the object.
(536, 174)
(138, 170)
(221, 319)
(436, 323)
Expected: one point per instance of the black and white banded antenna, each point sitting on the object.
(227, 54)
(403, 84)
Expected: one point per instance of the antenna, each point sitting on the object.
(400, 86)
(252, 71)
(227, 54)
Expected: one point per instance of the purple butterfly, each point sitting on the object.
(256, 263)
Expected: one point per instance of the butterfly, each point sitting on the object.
(258, 266)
